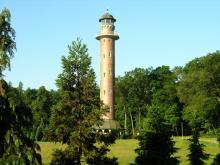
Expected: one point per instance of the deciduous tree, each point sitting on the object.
(199, 90)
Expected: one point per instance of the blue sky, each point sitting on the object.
(152, 33)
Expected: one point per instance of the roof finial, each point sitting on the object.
(107, 8)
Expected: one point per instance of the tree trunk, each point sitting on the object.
(132, 124)
(125, 126)
(79, 161)
(139, 121)
(182, 129)
(214, 129)
(177, 133)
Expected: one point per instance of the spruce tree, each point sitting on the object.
(156, 146)
(197, 154)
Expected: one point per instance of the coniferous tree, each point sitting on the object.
(156, 145)
(7, 40)
(74, 117)
(15, 117)
(196, 155)
(15, 121)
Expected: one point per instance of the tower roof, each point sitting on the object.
(107, 15)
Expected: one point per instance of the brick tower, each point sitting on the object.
(107, 38)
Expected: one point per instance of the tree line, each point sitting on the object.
(155, 104)
(152, 104)
(186, 95)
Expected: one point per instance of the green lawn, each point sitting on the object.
(124, 150)
(47, 149)
(211, 147)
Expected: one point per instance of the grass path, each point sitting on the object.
(124, 150)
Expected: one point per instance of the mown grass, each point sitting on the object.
(124, 150)
(47, 149)
(211, 147)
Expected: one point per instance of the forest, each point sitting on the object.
(152, 105)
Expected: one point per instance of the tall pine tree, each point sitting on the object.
(74, 117)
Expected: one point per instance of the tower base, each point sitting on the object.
(109, 124)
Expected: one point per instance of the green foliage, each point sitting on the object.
(132, 97)
(164, 94)
(198, 89)
(69, 156)
(155, 143)
(7, 43)
(155, 119)
(40, 101)
(99, 157)
(196, 155)
(41, 107)
(15, 120)
(73, 118)
(156, 148)
(140, 88)
(15, 117)
(188, 95)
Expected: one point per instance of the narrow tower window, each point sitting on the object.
(109, 72)
(109, 54)
(104, 92)
(104, 74)
(104, 55)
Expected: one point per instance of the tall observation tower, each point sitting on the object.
(107, 38)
